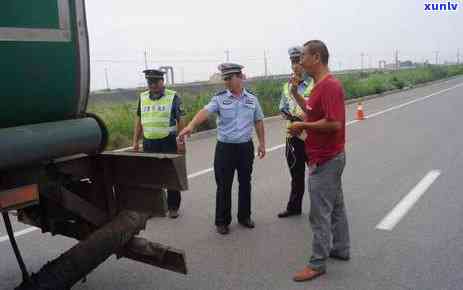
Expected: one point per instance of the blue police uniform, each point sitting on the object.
(236, 115)
(234, 151)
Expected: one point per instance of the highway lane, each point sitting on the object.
(387, 156)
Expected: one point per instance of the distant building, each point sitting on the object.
(407, 64)
(216, 78)
(402, 65)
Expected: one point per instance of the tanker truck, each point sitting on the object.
(55, 174)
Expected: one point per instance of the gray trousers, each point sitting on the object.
(327, 212)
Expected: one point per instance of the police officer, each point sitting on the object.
(295, 149)
(238, 112)
(159, 118)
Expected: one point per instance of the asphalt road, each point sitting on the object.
(406, 136)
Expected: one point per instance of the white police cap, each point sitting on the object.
(295, 51)
(230, 68)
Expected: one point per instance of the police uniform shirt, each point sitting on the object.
(236, 115)
(177, 108)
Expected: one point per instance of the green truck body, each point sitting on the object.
(44, 69)
(53, 170)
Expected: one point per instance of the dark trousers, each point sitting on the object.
(166, 145)
(228, 158)
(296, 159)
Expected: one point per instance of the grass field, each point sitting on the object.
(119, 117)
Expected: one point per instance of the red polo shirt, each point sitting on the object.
(326, 101)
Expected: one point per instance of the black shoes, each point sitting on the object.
(223, 230)
(247, 223)
(173, 214)
(287, 213)
(336, 256)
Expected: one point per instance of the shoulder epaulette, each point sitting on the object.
(221, 93)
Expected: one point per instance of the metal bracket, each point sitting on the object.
(15, 247)
(155, 254)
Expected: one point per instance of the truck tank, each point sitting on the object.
(53, 168)
(44, 58)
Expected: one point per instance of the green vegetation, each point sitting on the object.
(119, 117)
(358, 85)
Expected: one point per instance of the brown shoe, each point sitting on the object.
(307, 274)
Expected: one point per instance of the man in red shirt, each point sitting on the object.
(325, 126)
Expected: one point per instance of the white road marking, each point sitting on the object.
(208, 170)
(199, 173)
(19, 233)
(412, 101)
(276, 148)
(351, 122)
(401, 209)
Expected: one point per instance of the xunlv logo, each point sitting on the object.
(449, 6)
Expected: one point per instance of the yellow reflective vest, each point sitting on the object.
(156, 114)
(294, 108)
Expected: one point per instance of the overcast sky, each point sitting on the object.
(193, 36)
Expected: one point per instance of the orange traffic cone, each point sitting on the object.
(360, 115)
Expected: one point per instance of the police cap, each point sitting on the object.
(230, 68)
(295, 52)
(154, 74)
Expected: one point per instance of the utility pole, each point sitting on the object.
(437, 56)
(458, 56)
(182, 70)
(396, 59)
(362, 55)
(227, 53)
(369, 61)
(265, 64)
(106, 78)
(382, 64)
(146, 59)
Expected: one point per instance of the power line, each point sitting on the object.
(157, 61)
(170, 60)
